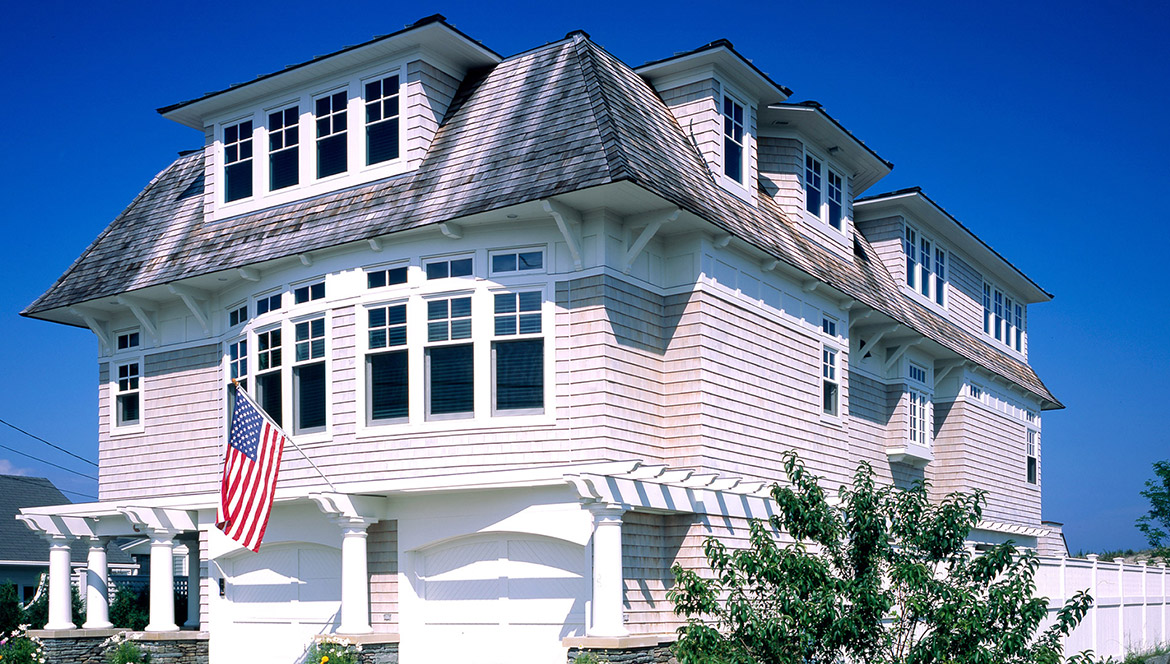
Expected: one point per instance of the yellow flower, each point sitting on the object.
(324, 659)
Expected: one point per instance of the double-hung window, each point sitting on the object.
(332, 156)
(387, 365)
(237, 160)
(926, 265)
(1033, 453)
(382, 120)
(518, 354)
(836, 199)
(910, 248)
(309, 376)
(987, 316)
(450, 359)
(813, 185)
(238, 362)
(920, 418)
(269, 386)
(128, 394)
(830, 381)
(940, 275)
(1009, 331)
(924, 279)
(998, 315)
(283, 148)
(733, 139)
(1019, 327)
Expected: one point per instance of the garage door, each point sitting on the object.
(502, 599)
(277, 600)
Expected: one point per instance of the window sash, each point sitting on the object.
(450, 381)
(518, 377)
(733, 139)
(812, 185)
(387, 387)
(309, 401)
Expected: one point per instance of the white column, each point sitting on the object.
(355, 580)
(60, 599)
(607, 572)
(97, 589)
(193, 585)
(162, 582)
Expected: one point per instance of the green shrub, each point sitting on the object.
(17, 647)
(120, 650)
(130, 609)
(333, 650)
(10, 609)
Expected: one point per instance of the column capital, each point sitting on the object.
(58, 539)
(607, 512)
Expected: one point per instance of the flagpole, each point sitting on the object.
(287, 437)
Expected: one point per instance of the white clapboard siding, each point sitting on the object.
(178, 450)
(781, 172)
(696, 107)
(885, 235)
(428, 94)
(382, 558)
(966, 295)
(977, 447)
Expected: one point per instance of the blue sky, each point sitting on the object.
(1043, 129)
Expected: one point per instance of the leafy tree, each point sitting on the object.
(10, 609)
(37, 613)
(130, 609)
(1156, 523)
(884, 577)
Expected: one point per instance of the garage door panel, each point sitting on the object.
(459, 556)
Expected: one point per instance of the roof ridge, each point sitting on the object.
(616, 160)
(110, 227)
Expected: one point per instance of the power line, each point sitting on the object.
(68, 470)
(29, 480)
(56, 447)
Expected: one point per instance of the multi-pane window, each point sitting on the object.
(238, 315)
(331, 134)
(917, 373)
(383, 277)
(283, 148)
(269, 387)
(1019, 327)
(924, 280)
(382, 120)
(910, 248)
(517, 261)
(733, 140)
(238, 361)
(127, 340)
(387, 377)
(237, 160)
(449, 267)
(836, 199)
(266, 303)
(309, 376)
(450, 382)
(940, 275)
(1009, 331)
(129, 394)
(309, 292)
(813, 185)
(831, 382)
(998, 315)
(518, 360)
(920, 427)
(976, 392)
(986, 308)
(829, 326)
(1033, 450)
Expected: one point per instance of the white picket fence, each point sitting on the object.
(1131, 607)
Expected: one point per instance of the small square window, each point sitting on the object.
(238, 315)
(128, 340)
(385, 277)
(917, 373)
(267, 303)
(829, 326)
(517, 261)
(443, 269)
(310, 339)
(309, 292)
(387, 326)
(449, 319)
(517, 313)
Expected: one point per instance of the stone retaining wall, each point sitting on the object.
(85, 646)
(379, 653)
(660, 654)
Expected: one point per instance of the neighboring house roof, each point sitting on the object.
(18, 543)
(504, 141)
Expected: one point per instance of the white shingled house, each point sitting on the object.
(545, 322)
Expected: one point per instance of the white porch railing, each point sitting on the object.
(1131, 602)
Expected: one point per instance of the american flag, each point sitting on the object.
(249, 473)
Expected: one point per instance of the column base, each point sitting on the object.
(89, 624)
(61, 625)
(162, 628)
(361, 629)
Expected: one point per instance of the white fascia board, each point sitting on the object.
(725, 64)
(816, 126)
(929, 217)
(457, 51)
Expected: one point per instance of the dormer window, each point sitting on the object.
(926, 266)
(836, 206)
(283, 148)
(382, 120)
(237, 160)
(812, 185)
(733, 139)
(331, 134)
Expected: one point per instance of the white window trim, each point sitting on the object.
(745, 189)
(821, 221)
(1032, 440)
(366, 424)
(925, 416)
(138, 427)
(304, 118)
(403, 118)
(838, 417)
(288, 351)
(259, 138)
(132, 350)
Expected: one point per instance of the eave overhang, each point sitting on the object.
(723, 57)
(810, 120)
(921, 209)
(432, 33)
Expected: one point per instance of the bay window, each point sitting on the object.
(309, 376)
(518, 354)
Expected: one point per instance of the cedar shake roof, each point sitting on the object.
(505, 141)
